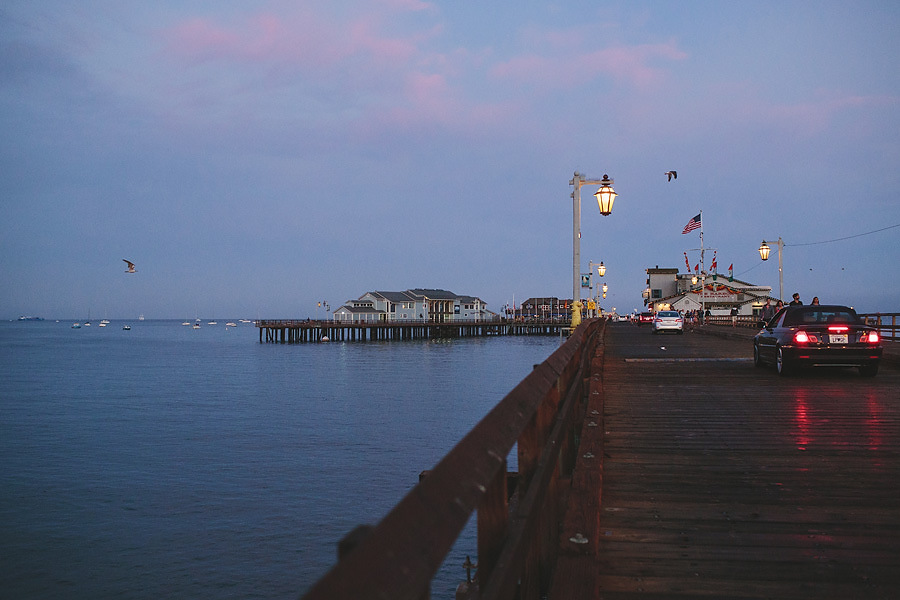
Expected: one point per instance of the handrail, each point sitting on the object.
(312, 323)
(886, 323)
(879, 321)
(516, 548)
(737, 320)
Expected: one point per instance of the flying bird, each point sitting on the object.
(130, 266)
(672, 175)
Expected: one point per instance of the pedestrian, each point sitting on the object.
(778, 306)
(796, 299)
(734, 312)
(815, 301)
(768, 311)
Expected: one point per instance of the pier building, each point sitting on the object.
(419, 304)
(667, 289)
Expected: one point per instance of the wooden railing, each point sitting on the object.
(737, 321)
(517, 534)
(886, 323)
(881, 322)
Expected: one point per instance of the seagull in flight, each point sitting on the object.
(672, 175)
(130, 266)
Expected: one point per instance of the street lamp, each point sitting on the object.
(764, 254)
(601, 269)
(319, 305)
(605, 198)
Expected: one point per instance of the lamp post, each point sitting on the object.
(764, 254)
(319, 305)
(601, 270)
(605, 198)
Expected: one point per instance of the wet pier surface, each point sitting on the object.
(721, 480)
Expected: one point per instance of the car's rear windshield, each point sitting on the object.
(814, 315)
(668, 313)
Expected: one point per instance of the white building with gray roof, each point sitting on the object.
(418, 304)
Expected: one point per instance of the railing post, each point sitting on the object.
(493, 519)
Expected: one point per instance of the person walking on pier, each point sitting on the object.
(768, 311)
(796, 299)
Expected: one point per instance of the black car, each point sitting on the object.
(817, 336)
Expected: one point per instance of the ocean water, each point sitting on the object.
(171, 462)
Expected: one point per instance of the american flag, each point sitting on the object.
(692, 225)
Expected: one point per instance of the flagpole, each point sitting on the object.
(702, 264)
(702, 276)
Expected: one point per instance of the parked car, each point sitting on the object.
(644, 317)
(818, 336)
(667, 320)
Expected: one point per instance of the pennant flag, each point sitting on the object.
(731, 272)
(686, 263)
(697, 268)
(714, 267)
(692, 225)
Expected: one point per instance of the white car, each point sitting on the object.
(667, 320)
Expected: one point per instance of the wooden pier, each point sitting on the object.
(296, 331)
(656, 469)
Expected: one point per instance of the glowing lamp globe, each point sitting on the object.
(606, 195)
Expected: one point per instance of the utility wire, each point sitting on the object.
(848, 237)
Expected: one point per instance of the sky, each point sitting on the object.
(256, 158)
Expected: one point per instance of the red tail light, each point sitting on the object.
(801, 337)
(871, 337)
(838, 328)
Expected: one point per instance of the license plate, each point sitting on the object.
(838, 339)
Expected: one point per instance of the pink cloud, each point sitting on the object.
(816, 116)
(264, 37)
(199, 36)
(429, 102)
(303, 37)
(356, 69)
(411, 5)
(365, 39)
(625, 63)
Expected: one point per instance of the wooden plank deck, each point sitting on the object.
(720, 480)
